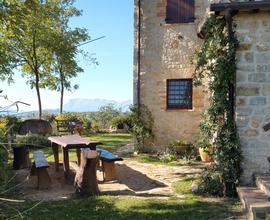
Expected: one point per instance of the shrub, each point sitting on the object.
(3, 167)
(210, 183)
(34, 140)
(167, 157)
(121, 122)
(182, 150)
(141, 121)
(6, 125)
(87, 126)
(95, 127)
(82, 117)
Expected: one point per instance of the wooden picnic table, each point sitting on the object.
(67, 142)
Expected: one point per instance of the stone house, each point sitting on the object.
(166, 37)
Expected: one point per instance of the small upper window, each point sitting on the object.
(180, 11)
(179, 94)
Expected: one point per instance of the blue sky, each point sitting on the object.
(112, 78)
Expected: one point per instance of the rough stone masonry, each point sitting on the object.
(166, 53)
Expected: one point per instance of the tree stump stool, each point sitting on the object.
(86, 176)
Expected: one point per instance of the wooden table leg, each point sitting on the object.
(78, 151)
(66, 163)
(56, 155)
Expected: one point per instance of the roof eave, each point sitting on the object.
(241, 6)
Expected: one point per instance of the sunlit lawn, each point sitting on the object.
(111, 207)
(111, 142)
(123, 207)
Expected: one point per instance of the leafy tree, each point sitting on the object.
(27, 34)
(106, 114)
(64, 63)
(9, 10)
(65, 49)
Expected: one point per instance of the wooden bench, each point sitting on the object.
(69, 126)
(39, 168)
(108, 167)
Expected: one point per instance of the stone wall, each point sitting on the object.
(166, 53)
(253, 91)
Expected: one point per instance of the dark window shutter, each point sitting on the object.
(172, 11)
(180, 11)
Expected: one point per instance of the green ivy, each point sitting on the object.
(216, 63)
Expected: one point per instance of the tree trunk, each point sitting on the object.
(86, 177)
(36, 72)
(62, 90)
(38, 95)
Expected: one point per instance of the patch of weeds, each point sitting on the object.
(183, 186)
(155, 159)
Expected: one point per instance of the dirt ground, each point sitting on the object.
(134, 178)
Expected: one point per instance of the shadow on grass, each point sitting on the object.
(109, 207)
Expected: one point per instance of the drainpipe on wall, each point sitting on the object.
(139, 57)
(228, 18)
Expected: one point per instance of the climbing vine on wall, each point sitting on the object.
(216, 64)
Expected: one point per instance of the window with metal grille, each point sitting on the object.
(180, 11)
(179, 94)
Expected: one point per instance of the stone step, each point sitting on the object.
(263, 183)
(255, 202)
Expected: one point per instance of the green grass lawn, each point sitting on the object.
(123, 207)
(107, 207)
(111, 142)
(190, 207)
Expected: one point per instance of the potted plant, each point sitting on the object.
(205, 153)
(205, 138)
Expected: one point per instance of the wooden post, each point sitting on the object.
(21, 157)
(56, 155)
(66, 163)
(78, 152)
(86, 177)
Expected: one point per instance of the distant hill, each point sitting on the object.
(80, 105)
(93, 105)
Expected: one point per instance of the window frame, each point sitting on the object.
(179, 19)
(183, 107)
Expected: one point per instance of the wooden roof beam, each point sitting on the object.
(241, 6)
